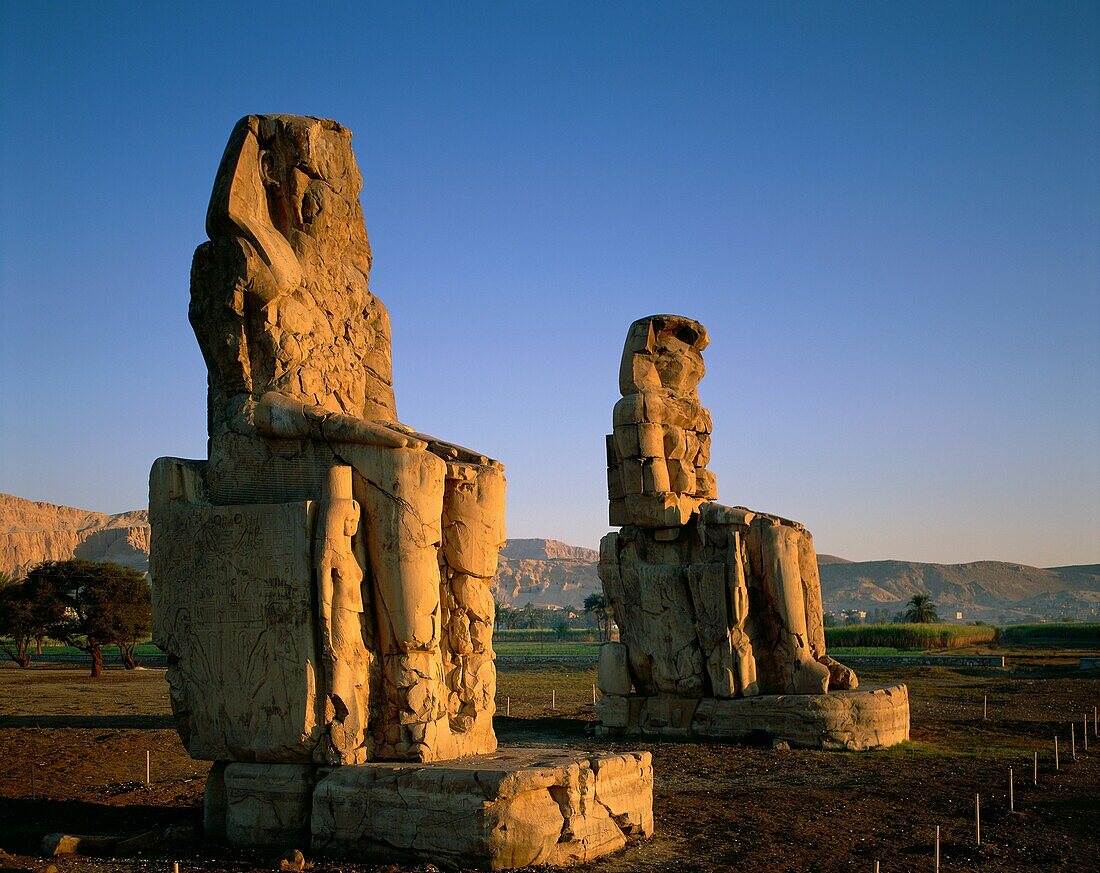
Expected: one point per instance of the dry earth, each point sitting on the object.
(718, 807)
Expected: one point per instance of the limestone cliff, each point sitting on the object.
(32, 532)
(545, 572)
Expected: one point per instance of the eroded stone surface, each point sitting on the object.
(713, 602)
(510, 809)
(324, 542)
(869, 718)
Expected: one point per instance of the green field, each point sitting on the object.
(1052, 633)
(910, 636)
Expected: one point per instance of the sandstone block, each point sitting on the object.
(268, 805)
(497, 811)
(614, 675)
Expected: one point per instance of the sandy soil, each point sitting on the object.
(718, 807)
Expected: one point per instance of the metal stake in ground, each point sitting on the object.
(937, 849)
(594, 703)
(985, 707)
(978, 818)
(1073, 741)
(553, 698)
(1011, 792)
(1056, 767)
(1035, 772)
(508, 707)
(148, 769)
(1085, 732)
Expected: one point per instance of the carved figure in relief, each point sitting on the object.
(301, 408)
(711, 601)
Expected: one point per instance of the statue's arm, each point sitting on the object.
(282, 417)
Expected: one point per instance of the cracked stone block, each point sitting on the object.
(510, 809)
(267, 805)
(872, 717)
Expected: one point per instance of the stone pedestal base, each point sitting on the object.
(512, 808)
(872, 717)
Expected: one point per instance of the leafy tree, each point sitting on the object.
(100, 603)
(561, 629)
(829, 619)
(23, 619)
(921, 610)
(597, 605)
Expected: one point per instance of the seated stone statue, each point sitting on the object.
(711, 601)
(321, 581)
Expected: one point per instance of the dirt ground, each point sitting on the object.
(717, 807)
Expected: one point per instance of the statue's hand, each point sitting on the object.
(451, 451)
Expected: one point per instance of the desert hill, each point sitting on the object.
(551, 573)
(991, 591)
(33, 532)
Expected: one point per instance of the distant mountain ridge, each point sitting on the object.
(552, 573)
(992, 591)
(32, 532)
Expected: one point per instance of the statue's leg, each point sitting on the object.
(473, 533)
(841, 678)
(800, 673)
(401, 494)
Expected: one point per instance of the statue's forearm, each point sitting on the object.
(283, 417)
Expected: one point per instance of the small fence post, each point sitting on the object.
(1011, 792)
(148, 768)
(1035, 772)
(1056, 767)
(985, 707)
(978, 818)
(1085, 732)
(937, 849)
(553, 698)
(1073, 742)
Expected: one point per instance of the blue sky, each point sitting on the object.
(887, 215)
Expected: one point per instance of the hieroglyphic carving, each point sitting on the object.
(234, 614)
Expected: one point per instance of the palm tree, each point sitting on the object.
(597, 605)
(921, 610)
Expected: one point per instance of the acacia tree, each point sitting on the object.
(597, 605)
(22, 619)
(921, 610)
(100, 603)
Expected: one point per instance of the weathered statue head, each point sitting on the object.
(280, 297)
(658, 453)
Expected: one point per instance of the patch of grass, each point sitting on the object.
(910, 636)
(1052, 633)
(519, 647)
(972, 746)
(838, 651)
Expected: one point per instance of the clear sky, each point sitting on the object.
(886, 214)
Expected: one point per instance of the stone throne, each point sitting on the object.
(321, 581)
(719, 607)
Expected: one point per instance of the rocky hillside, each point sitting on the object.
(34, 532)
(545, 572)
(990, 591)
(548, 572)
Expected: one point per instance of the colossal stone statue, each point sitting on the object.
(714, 603)
(321, 582)
(301, 408)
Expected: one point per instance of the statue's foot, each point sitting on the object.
(841, 678)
